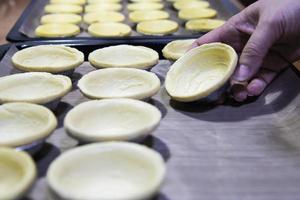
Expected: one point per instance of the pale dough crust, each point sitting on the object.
(200, 72)
(111, 120)
(110, 171)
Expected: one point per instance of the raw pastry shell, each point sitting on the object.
(144, 1)
(63, 8)
(145, 6)
(119, 83)
(25, 123)
(147, 15)
(157, 27)
(196, 13)
(125, 56)
(203, 24)
(177, 48)
(48, 58)
(18, 172)
(111, 120)
(200, 72)
(109, 29)
(11, 87)
(103, 1)
(110, 171)
(57, 30)
(190, 4)
(103, 16)
(61, 18)
(99, 7)
(76, 2)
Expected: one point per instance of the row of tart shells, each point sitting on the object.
(92, 121)
(138, 174)
(119, 61)
(120, 78)
(104, 20)
(102, 120)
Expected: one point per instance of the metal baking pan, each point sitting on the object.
(230, 151)
(24, 28)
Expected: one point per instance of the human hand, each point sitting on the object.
(265, 35)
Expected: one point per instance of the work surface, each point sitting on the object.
(226, 152)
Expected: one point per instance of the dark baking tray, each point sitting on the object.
(24, 28)
(213, 152)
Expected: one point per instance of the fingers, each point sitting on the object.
(255, 87)
(235, 32)
(239, 92)
(259, 84)
(254, 52)
(273, 64)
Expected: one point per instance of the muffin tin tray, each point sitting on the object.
(24, 28)
(230, 151)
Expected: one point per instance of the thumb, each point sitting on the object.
(254, 52)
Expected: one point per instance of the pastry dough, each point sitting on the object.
(17, 172)
(203, 25)
(124, 56)
(103, 6)
(111, 120)
(76, 2)
(145, 6)
(119, 83)
(34, 87)
(57, 30)
(143, 1)
(146, 15)
(177, 48)
(63, 8)
(103, 1)
(157, 27)
(103, 16)
(61, 18)
(24, 123)
(48, 58)
(200, 72)
(190, 4)
(195, 13)
(110, 171)
(109, 29)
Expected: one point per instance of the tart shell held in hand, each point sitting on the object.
(200, 72)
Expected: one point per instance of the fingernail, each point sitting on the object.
(241, 96)
(242, 73)
(256, 87)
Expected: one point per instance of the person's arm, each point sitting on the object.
(257, 30)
